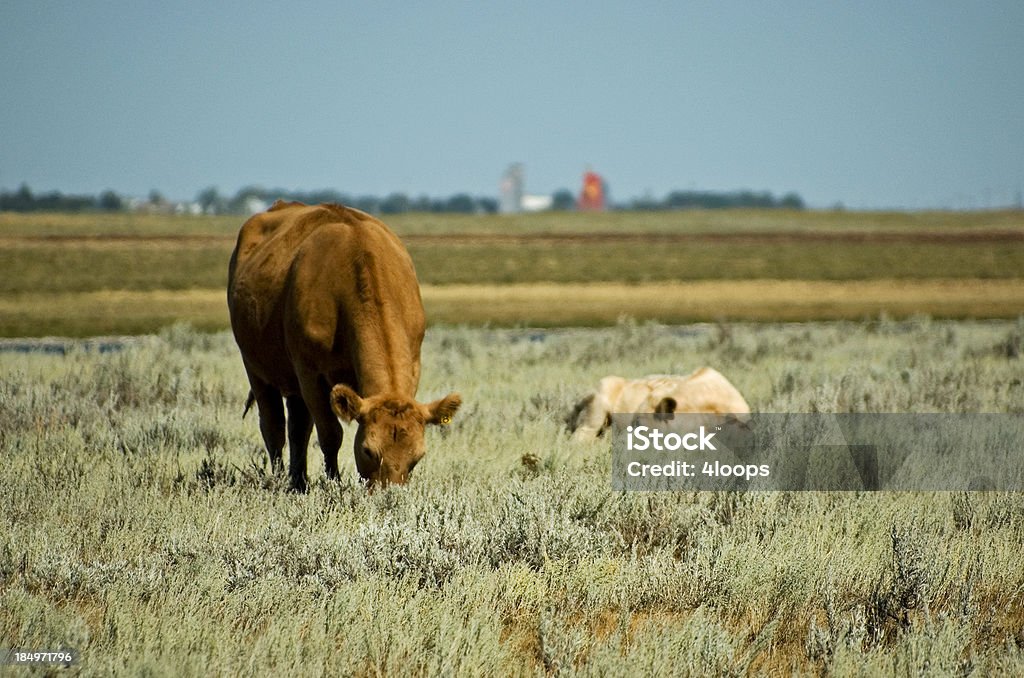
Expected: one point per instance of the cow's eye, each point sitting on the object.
(368, 453)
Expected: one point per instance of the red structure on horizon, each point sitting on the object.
(593, 194)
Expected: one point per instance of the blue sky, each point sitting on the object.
(872, 104)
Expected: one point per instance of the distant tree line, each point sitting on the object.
(395, 203)
(211, 201)
(24, 200)
(253, 198)
(681, 200)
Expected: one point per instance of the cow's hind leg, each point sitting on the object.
(300, 425)
(271, 409)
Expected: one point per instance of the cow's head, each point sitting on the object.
(578, 415)
(588, 419)
(389, 441)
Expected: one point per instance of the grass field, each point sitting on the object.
(689, 221)
(144, 530)
(79, 275)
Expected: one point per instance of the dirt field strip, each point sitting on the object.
(618, 222)
(555, 238)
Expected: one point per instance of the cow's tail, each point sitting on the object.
(248, 403)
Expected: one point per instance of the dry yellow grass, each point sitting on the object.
(120, 312)
(110, 312)
(600, 303)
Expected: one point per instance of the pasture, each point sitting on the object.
(82, 275)
(144, 530)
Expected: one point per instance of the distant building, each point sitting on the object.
(536, 203)
(190, 208)
(254, 205)
(592, 196)
(514, 199)
(512, 189)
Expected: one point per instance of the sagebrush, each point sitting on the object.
(144, 528)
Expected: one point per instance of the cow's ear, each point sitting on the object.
(666, 405)
(441, 411)
(346, 403)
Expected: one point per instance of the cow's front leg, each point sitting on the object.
(328, 429)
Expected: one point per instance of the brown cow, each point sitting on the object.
(326, 310)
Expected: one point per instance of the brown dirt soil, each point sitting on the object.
(933, 237)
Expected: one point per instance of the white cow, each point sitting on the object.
(704, 391)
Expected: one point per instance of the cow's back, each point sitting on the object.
(352, 308)
(272, 293)
(263, 253)
(704, 390)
